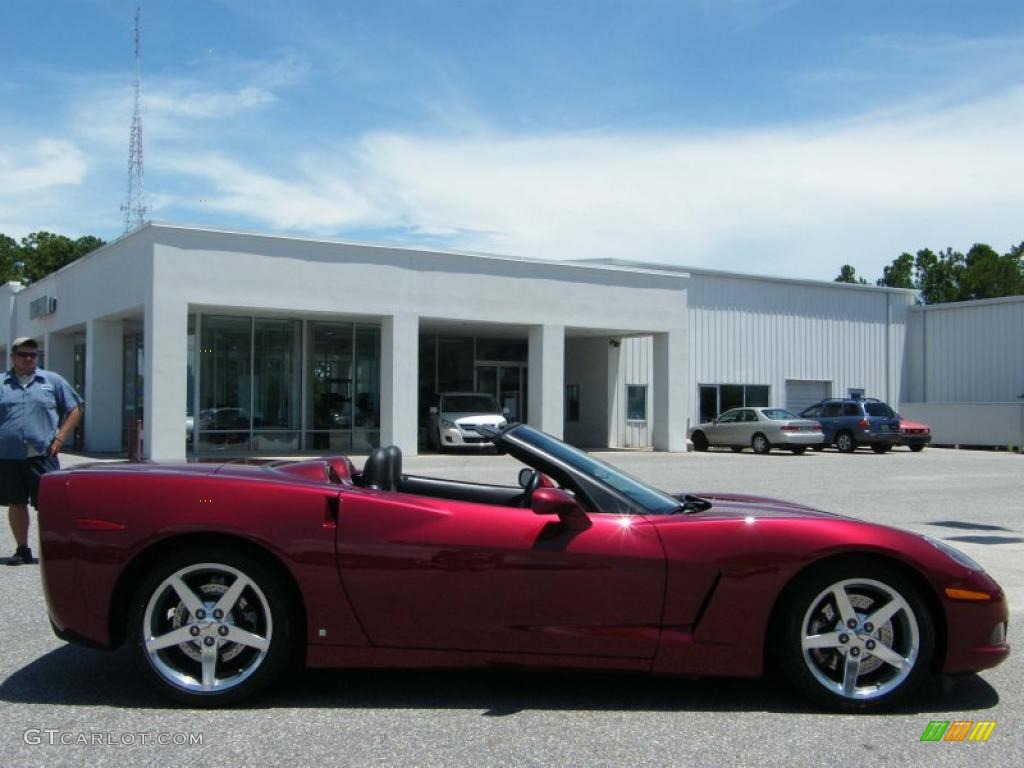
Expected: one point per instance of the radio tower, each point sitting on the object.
(134, 207)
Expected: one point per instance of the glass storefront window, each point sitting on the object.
(225, 387)
(329, 402)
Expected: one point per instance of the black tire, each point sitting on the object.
(845, 442)
(799, 450)
(880, 447)
(700, 442)
(250, 645)
(916, 448)
(760, 443)
(810, 614)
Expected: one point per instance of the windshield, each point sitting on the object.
(651, 499)
(879, 409)
(778, 414)
(469, 404)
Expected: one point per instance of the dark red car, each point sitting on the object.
(219, 576)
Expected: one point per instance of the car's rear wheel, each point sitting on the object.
(700, 442)
(760, 443)
(855, 637)
(916, 448)
(210, 626)
(845, 443)
(880, 447)
(799, 450)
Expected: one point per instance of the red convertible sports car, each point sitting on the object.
(220, 576)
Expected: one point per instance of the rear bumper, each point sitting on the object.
(801, 438)
(877, 438)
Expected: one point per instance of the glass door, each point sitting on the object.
(507, 383)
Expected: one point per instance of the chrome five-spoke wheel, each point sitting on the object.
(211, 630)
(858, 642)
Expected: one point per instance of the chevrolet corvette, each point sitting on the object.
(218, 577)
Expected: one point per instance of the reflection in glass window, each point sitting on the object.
(636, 402)
(572, 402)
(225, 393)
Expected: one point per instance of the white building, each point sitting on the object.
(225, 343)
(276, 345)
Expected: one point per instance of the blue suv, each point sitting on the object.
(849, 422)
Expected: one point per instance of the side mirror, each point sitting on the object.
(525, 475)
(433, 410)
(554, 501)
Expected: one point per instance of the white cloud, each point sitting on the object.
(43, 164)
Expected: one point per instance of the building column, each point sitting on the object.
(670, 391)
(60, 354)
(546, 382)
(399, 382)
(104, 385)
(164, 380)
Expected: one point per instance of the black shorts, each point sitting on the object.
(19, 478)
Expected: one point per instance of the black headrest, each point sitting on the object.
(383, 469)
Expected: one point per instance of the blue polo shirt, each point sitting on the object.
(30, 415)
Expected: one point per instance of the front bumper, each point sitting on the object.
(454, 437)
(977, 633)
(914, 439)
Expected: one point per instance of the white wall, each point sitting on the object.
(966, 352)
(987, 424)
(586, 365)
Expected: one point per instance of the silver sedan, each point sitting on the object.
(759, 428)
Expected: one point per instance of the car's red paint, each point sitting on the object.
(914, 434)
(394, 579)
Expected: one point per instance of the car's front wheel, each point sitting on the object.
(210, 626)
(855, 637)
(700, 442)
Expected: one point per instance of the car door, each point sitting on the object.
(725, 427)
(746, 427)
(831, 414)
(437, 574)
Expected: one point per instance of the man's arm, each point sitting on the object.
(66, 430)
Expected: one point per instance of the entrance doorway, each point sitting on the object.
(507, 383)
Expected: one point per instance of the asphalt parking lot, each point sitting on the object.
(973, 500)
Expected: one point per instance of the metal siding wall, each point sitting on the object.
(972, 352)
(636, 366)
(749, 331)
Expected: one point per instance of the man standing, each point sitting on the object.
(39, 411)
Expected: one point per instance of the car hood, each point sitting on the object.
(732, 505)
(908, 424)
(469, 417)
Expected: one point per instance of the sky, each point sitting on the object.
(774, 137)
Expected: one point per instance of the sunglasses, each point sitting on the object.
(27, 354)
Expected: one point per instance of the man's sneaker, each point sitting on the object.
(21, 556)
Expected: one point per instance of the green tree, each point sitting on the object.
(988, 275)
(937, 276)
(10, 259)
(899, 274)
(848, 274)
(41, 253)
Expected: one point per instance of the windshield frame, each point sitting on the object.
(646, 498)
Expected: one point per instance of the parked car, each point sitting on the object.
(850, 422)
(759, 428)
(914, 435)
(454, 420)
(219, 576)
